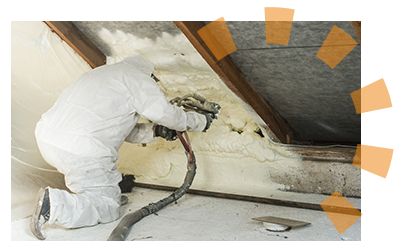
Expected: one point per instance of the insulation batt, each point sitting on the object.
(231, 157)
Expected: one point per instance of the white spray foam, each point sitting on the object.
(230, 143)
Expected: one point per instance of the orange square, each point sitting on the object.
(336, 47)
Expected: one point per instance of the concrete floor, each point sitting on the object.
(199, 218)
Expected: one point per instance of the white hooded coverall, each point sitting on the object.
(81, 134)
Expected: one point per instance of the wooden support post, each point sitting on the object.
(236, 81)
(79, 42)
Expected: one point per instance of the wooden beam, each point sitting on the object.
(356, 25)
(264, 200)
(79, 42)
(236, 81)
(343, 155)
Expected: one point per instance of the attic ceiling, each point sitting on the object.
(312, 97)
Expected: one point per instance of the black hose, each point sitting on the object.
(199, 104)
(120, 232)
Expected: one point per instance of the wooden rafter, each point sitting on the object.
(236, 81)
(356, 25)
(79, 42)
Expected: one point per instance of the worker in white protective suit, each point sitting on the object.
(81, 134)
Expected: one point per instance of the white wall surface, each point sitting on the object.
(42, 65)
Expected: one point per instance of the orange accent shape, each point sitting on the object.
(220, 19)
(371, 97)
(357, 157)
(218, 38)
(278, 24)
(340, 211)
(278, 14)
(373, 159)
(356, 96)
(336, 47)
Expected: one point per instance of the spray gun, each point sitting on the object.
(195, 102)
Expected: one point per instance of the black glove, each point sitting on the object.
(209, 117)
(127, 183)
(166, 133)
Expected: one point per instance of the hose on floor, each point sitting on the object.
(189, 102)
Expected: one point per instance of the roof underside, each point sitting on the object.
(312, 97)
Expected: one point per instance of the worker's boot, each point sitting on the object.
(124, 200)
(41, 213)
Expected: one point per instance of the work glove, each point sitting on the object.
(164, 132)
(211, 116)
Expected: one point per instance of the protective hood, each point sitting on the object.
(140, 62)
